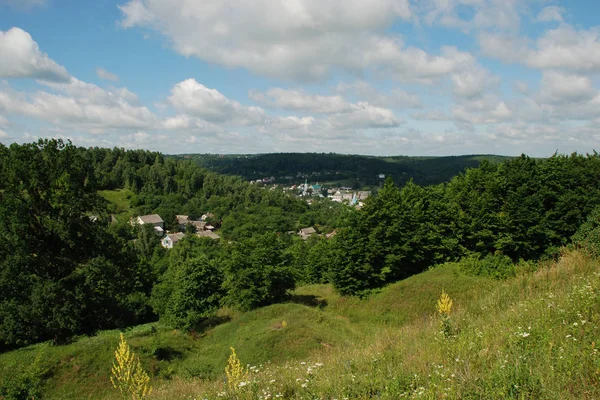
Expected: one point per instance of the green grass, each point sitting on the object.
(531, 337)
(120, 198)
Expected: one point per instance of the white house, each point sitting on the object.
(153, 219)
(169, 240)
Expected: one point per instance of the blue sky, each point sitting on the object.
(381, 77)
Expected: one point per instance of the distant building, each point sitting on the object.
(208, 234)
(169, 241)
(153, 219)
(182, 221)
(305, 233)
(207, 216)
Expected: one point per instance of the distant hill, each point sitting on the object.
(351, 170)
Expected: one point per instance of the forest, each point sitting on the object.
(341, 169)
(71, 263)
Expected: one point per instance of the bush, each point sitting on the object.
(495, 266)
(588, 234)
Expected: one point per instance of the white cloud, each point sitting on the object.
(498, 14)
(484, 111)
(3, 134)
(473, 82)
(567, 48)
(363, 115)
(303, 39)
(563, 48)
(79, 105)
(106, 75)
(140, 140)
(395, 98)
(22, 58)
(187, 123)
(561, 88)
(195, 99)
(503, 47)
(291, 123)
(432, 115)
(299, 100)
(550, 13)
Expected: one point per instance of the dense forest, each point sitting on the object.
(67, 267)
(352, 170)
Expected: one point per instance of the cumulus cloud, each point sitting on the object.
(498, 14)
(79, 104)
(473, 82)
(395, 98)
(550, 13)
(195, 99)
(301, 40)
(563, 48)
(299, 100)
(22, 58)
(363, 115)
(106, 75)
(561, 88)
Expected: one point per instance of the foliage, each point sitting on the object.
(189, 292)
(495, 266)
(588, 234)
(128, 376)
(522, 209)
(257, 273)
(363, 170)
(25, 384)
(61, 270)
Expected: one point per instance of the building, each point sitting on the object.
(305, 233)
(208, 234)
(169, 241)
(153, 219)
(182, 221)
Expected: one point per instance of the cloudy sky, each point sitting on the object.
(381, 77)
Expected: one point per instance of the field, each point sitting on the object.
(533, 336)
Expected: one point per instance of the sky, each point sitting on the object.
(377, 77)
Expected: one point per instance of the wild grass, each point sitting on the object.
(531, 337)
(534, 336)
(120, 199)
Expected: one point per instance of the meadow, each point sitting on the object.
(533, 336)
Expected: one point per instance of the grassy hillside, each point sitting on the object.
(533, 336)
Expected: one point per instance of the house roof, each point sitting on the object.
(208, 234)
(175, 237)
(151, 219)
(307, 231)
(182, 219)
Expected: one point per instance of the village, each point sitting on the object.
(308, 192)
(201, 228)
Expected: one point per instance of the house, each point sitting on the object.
(199, 225)
(208, 234)
(305, 233)
(207, 216)
(153, 219)
(170, 240)
(182, 221)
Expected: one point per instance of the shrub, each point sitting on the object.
(495, 266)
